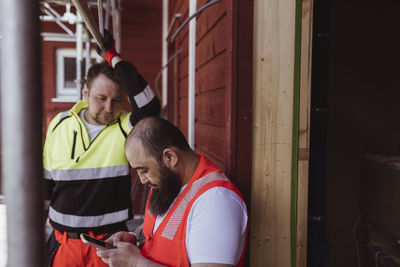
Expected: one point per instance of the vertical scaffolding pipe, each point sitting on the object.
(192, 74)
(87, 53)
(107, 18)
(115, 4)
(79, 48)
(21, 131)
(164, 53)
(100, 14)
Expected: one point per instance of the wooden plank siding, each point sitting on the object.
(141, 36)
(224, 78)
(223, 113)
(211, 42)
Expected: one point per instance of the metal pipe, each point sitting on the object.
(163, 67)
(177, 15)
(100, 13)
(59, 37)
(192, 74)
(194, 14)
(21, 131)
(79, 48)
(87, 52)
(164, 53)
(89, 22)
(55, 13)
(58, 21)
(106, 23)
(116, 24)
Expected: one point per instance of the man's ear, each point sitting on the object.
(170, 158)
(85, 92)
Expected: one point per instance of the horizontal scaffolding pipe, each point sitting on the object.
(59, 37)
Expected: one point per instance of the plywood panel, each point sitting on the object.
(273, 55)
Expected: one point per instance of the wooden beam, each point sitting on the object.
(304, 131)
(273, 57)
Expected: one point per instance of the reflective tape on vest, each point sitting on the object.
(89, 174)
(144, 97)
(175, 219)
(88, 221)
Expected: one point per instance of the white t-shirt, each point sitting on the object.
(93, 130)
(216, 229)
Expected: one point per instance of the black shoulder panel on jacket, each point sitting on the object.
(63, 116)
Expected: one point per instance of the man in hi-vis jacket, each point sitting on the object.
(85, 167)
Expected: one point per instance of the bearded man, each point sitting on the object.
(195, 216)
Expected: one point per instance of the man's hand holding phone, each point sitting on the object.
(87, 239)
(126, 251)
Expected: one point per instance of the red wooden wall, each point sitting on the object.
(211, 84)
(141, 35)
(223, 84)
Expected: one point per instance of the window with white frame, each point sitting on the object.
(66, 87)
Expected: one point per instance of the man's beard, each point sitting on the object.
(163, 196)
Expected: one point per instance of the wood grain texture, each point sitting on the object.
(273, 66)
(304, 131)
(212, 75)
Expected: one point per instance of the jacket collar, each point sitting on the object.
(78, 107)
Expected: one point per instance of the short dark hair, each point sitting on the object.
(157, 134)
(100, 68)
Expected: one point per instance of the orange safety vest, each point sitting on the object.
(167, 245)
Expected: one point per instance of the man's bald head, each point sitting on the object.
(156, 134)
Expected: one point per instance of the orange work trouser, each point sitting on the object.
(74, 253)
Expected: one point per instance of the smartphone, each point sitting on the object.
(87, 239)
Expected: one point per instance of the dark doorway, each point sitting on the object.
(355, 111)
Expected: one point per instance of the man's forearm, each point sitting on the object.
(148, 263)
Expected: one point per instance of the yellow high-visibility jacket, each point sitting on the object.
(89, 181)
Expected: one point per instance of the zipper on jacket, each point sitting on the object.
(73, 145)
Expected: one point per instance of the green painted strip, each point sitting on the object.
(295, 137)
